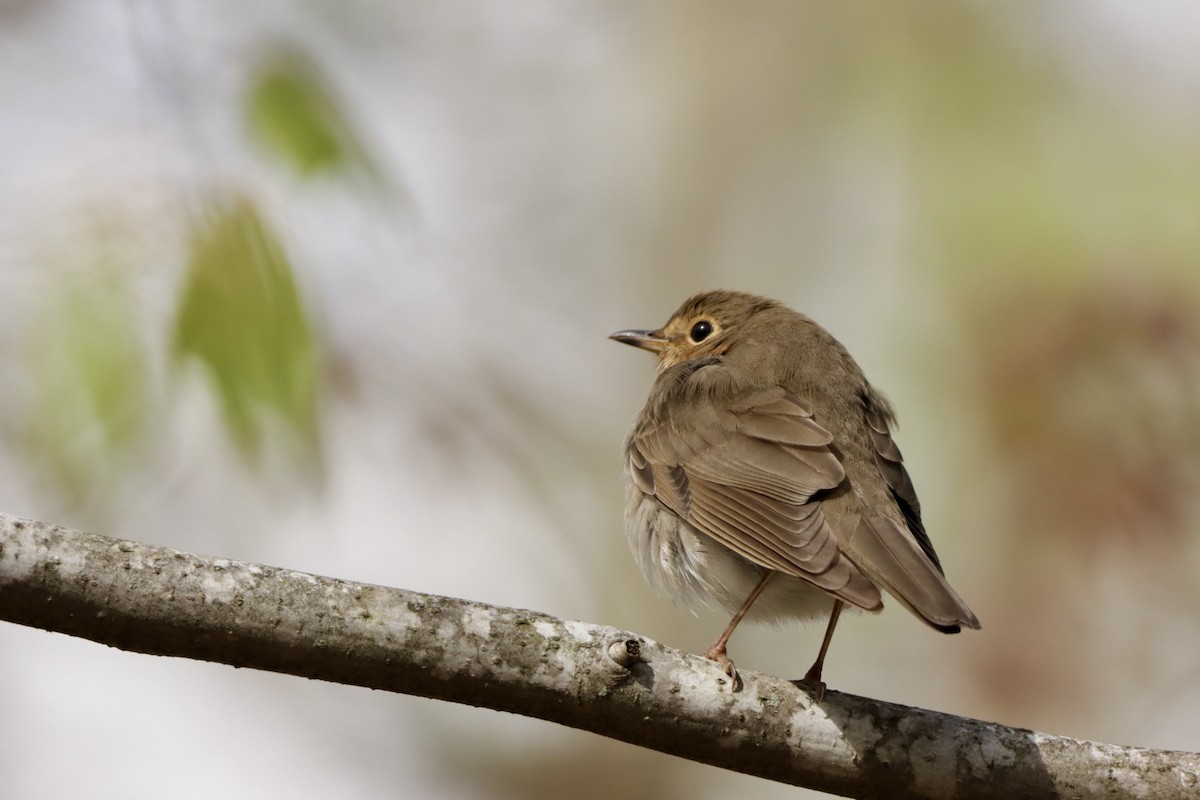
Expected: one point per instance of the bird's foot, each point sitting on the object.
(812, 681)
(719, 655)
(817, 690)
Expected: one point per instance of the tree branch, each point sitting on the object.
(611, 682)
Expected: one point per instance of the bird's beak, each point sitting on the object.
(653, 341)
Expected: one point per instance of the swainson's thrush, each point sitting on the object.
(761, 477)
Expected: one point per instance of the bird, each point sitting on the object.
(761, 478)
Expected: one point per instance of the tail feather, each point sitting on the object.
(886, 552)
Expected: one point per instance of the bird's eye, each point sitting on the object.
(701, 331)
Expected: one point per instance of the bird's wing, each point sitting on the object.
(749, 476)
(897, 554)
(891, 465)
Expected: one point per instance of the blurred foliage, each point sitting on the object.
(90, 386)
(241, 316)
(1092, 416)
(294, 114)
(1095, 409)
(1017, 160)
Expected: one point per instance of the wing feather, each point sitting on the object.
(891, 465)
(900, 557)
(747, 477)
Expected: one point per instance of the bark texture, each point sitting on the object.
(612, 682)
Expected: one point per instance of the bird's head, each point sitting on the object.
(705, 325)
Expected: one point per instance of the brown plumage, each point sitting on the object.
(762, 476)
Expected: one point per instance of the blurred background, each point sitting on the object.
(326, 285)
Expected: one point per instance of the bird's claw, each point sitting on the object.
(816, 688)
(718, 655)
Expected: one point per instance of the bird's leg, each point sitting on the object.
(813, 676)
(717, 651)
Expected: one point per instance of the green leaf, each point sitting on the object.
(293, 113)
(90, 385)
(242, 318)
